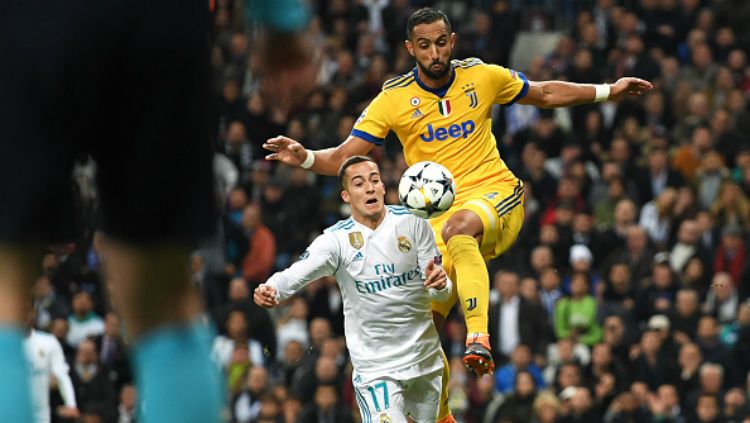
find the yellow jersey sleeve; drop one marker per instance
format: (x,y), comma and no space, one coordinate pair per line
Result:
(508,85)
(375,121)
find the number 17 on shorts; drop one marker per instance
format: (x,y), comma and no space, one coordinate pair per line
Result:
(390,401)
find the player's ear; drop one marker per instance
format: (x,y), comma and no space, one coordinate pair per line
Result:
(453,40)
(409,47)
(345,196)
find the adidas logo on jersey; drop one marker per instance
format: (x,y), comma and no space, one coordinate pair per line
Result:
(417,114)
(359,256)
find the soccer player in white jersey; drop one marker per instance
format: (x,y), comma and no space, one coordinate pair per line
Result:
(45,358)
(387,266)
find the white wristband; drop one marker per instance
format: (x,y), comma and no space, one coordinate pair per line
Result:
(602,92)
(308,161)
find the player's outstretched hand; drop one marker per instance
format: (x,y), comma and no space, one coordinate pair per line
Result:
(436,277)
(285,150)
(628,86)
(265,296)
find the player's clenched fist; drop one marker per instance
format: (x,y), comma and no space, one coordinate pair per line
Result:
(436,277)
(265,296)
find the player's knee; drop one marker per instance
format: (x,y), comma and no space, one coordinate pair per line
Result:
(458,227)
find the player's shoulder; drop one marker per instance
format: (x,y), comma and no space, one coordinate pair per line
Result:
(401,81)
(397,210)
(43,337)
(401,215)
(340,226)
(468,63)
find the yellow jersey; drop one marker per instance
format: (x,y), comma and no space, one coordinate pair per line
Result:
(451,125)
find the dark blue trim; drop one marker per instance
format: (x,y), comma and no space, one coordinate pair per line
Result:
(396,80)
(403,83)
(440,92)
(367,137)
(510,207)
(523,91)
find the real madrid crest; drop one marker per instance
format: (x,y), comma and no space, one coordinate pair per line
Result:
(403,244)
(356,240)
(385,418)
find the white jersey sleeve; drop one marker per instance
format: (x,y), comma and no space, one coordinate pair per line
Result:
(320,259)
(61,370)
(427,251)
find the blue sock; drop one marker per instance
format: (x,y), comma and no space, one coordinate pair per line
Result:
(15,393)
(177,381)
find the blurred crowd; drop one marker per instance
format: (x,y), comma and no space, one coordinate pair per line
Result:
(625,297)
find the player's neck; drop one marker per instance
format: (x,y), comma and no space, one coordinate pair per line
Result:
(372,221)
(434,83)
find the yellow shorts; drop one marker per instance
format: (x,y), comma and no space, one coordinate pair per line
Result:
(501,211)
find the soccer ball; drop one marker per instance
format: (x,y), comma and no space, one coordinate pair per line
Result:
(427,189)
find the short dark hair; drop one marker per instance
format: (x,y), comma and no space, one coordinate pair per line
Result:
(349,162)
(426,15)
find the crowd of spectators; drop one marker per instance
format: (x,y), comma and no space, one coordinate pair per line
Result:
(625,297)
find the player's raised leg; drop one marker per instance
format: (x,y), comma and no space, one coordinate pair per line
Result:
(16,270)
(462,233)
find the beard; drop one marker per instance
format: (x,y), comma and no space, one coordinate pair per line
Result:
(437,75)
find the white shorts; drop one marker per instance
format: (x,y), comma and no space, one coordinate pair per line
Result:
(388,400)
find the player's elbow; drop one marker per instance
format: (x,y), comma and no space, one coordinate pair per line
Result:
(541,95)
(547,101)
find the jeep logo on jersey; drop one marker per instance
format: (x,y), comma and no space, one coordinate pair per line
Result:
(403,244)
(457,130)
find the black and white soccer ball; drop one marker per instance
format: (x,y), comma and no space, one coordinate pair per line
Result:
(427,189)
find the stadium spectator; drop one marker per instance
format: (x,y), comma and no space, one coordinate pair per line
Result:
(246,404)
(516,319)
(713,351)
(48,306)
(518,406)
(95,393)
(225,346)
(83,322)
(258,263)
(126,409)
(326,407)
(722,301)
(520,360)
(113,352)
(575,316)
(260,326)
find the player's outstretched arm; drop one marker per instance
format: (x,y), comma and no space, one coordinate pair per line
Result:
(551,94)
(324,162)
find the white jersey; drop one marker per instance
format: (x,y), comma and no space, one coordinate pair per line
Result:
(387,310)
(45,357)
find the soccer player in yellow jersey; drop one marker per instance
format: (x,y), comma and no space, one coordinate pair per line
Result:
(440,112)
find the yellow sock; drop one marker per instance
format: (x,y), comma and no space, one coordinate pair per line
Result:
(444,412)
(473,281)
